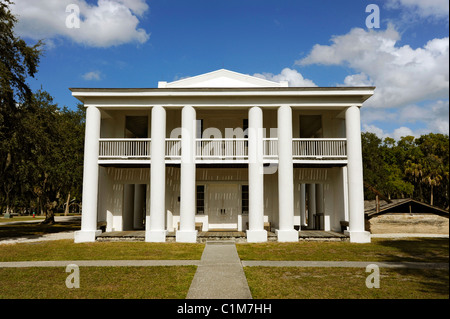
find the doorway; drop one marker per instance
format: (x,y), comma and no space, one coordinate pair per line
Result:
(223,206)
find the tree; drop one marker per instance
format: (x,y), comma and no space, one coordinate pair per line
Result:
(374,171)
(17,62)
(435,162)
(53,141)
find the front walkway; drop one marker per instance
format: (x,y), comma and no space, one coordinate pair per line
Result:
(220,274)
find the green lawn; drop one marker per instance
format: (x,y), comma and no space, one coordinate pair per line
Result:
(348,283)
(345,283)
(67,250)
(405,249)
(264,282)
(97,283)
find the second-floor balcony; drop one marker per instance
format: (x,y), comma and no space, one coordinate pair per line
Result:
(223,150)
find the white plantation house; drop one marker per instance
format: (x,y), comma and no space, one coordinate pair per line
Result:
(223,151)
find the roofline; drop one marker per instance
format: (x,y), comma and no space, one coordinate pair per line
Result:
(312,88)
(363,93)
(234,73)
(372,212)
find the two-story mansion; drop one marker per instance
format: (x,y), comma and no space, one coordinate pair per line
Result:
(223,151)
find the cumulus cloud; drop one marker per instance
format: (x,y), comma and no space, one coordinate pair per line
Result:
(412,84)
(108,23)
(422,8)
(432,117)
(293,77)
(402,75)
(92,76)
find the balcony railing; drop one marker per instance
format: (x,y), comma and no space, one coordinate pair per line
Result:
(229,149)
(124,148)
(319,148)
(222,149)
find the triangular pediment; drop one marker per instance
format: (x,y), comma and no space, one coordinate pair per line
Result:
(221,79)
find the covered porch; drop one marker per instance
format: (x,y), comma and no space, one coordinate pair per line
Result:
(224,235)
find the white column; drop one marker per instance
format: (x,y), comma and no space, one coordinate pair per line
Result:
(155,230)
(139,205)
(256,231)
(286,231)
(355,177)
(187,232)
(311,205)
(89,230)
(302,204)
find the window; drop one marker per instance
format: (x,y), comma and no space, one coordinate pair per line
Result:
(244,199)
(201,199)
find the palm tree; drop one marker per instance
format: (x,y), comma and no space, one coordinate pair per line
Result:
(415,170)
(434,173)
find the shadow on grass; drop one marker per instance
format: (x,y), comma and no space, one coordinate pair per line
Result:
(36,230)
(435,250)
(417,249)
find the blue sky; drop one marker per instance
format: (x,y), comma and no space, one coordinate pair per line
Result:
(136,43)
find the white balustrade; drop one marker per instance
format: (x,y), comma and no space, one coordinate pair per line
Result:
(327,148)
(173,148)
(224,148)
(270,146)
(124,148)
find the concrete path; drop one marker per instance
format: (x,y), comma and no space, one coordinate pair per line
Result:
(220,274)
(99,263)
(356,264)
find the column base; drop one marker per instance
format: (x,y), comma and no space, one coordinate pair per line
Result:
(361,237)
(287,235)
(186,236)
(86,236)
(155,236)
(256,236)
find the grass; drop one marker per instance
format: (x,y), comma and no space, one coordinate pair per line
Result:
(67,250)
(398,250)
(97,283)
(348,283)
(345,283)
(264,282)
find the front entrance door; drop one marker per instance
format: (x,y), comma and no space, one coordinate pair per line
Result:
(223,201)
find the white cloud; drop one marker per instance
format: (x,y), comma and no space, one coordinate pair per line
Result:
(360,79)
(431,117)
(108,23)
(402,75)
(423,8)
(402,132)
(293,77)
(397,134)
(92,76)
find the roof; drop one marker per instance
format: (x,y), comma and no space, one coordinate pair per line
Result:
(402,206)
(224,84)
(222,79)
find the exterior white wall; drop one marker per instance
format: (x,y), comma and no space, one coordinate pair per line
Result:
(113,181)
